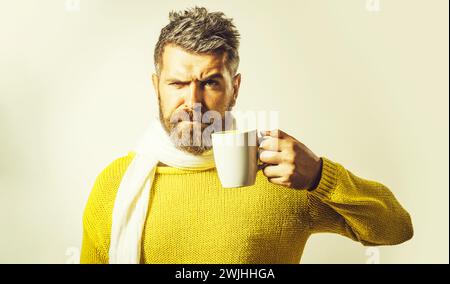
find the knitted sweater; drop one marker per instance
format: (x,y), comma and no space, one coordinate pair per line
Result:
(192,219)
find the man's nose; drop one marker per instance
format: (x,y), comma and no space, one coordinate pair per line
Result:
(194,94)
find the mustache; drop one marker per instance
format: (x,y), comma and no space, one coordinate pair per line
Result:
(188,114)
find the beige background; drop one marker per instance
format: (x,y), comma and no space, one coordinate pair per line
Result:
(367,89)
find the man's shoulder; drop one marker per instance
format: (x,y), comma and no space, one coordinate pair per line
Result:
(103,193)
(113,173)
(108,180)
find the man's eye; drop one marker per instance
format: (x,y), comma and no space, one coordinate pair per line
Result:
(211,83)
(176,84)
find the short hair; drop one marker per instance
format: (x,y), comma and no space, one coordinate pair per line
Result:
(200,31)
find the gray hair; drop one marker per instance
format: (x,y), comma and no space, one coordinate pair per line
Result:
(200,31)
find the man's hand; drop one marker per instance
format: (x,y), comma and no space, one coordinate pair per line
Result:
(288,162)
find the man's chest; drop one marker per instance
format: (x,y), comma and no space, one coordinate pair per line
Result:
(192,215)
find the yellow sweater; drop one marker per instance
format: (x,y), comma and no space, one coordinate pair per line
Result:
(192,219)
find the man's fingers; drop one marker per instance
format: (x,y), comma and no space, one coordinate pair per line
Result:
(276,133)
(270,144)
(273,171)
(270,157)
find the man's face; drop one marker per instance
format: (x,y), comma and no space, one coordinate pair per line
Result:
(194,92)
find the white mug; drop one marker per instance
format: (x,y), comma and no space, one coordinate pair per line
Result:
(236,157)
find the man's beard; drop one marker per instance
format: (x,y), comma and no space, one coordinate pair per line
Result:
(187,131)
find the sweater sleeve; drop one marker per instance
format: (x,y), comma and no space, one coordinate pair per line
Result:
(92,252)
(363,210)
(97,215)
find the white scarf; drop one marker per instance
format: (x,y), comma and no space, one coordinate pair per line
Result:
(132,199)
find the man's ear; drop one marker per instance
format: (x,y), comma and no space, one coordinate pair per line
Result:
(155,81)
(236,85)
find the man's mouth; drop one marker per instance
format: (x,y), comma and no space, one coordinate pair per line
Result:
(192,122)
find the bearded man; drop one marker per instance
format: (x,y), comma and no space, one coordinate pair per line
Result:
(164,203)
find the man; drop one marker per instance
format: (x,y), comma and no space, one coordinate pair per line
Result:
(180,213)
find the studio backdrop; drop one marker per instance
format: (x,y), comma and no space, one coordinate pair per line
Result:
(364,83)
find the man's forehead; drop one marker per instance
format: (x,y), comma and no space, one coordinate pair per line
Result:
(178,62)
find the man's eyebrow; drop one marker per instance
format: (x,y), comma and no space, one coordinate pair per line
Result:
(173,79)
(212,77)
